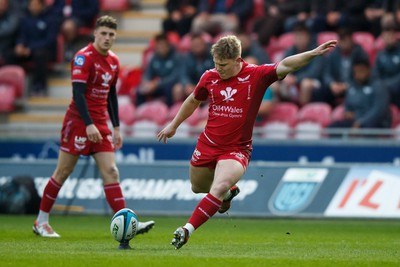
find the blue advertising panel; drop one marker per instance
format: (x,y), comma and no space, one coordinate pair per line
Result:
(164,188)
(148,151)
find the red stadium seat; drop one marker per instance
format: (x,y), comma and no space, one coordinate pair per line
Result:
(337,113)
(311,119)
(317,112)
(155,111)
(13,75)
(286,40)
(395,115)
(283,112)
(184,43)
(367,42)
(126,113)
(326,36)
(7,97)
(114,5)
(145,129)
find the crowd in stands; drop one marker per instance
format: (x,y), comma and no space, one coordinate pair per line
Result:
(30,31)
(360,77)
(358,82)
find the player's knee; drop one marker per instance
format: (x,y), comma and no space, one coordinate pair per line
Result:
(112,173)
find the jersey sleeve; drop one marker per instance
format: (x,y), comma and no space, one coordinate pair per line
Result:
(80,68)
(200,91)
(268,72)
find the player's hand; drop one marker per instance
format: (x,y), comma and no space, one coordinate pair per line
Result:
(325,47)
(93,134)
(166,133)
(117,138)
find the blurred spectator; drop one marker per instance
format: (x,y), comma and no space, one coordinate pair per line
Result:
(337,71)
(8,32)
(252,48)
(277,13)
(19,7)
(180,16)
(366,102)
(75,14)
(387,64)
(291,88)
(161,74)
(194,63)
(392,11)
(36,42)
(216,16)
(351,14)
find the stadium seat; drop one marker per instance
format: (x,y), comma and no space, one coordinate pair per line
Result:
(114,5)
(308,130)
(326,36)
(126,113)
(279,122)
(367,42)
(311,119)
(337,113)
(317,112)
(7,97)
(277,46)
(395,115)
(286,40)
(14,75)
(155,111)
(145,129)
(276,130)
(283,112)
(184,43)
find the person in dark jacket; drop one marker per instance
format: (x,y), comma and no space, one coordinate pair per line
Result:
(180,16)
(387,64)
(36,42)
(366,102)
(216,16)
(161,74)
(8,32)
(195,62)
(72,15)
(337,71)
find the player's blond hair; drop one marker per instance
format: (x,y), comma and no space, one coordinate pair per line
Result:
(228,47)
(106,21)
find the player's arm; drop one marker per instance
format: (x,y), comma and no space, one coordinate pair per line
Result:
(295,62)
(78,94)
(112,106)
(188,107)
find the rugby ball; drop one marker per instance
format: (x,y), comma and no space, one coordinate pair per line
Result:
(124,224)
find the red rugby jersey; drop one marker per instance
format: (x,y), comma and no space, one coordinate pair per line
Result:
(234,103)
(99,72)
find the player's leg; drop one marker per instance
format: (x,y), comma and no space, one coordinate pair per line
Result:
(65,166)
(227,174)
(109,172)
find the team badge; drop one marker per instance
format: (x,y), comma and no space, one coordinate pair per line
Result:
(296,190)
(79,61)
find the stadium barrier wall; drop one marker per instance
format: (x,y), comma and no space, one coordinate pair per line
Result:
(267,189)
(149,150)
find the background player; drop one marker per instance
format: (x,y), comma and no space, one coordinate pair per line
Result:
(235,90)
(85,132)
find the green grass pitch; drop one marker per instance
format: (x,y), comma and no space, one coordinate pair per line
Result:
(222,241)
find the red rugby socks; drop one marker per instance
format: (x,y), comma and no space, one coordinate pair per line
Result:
(206,208)
(114,196)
